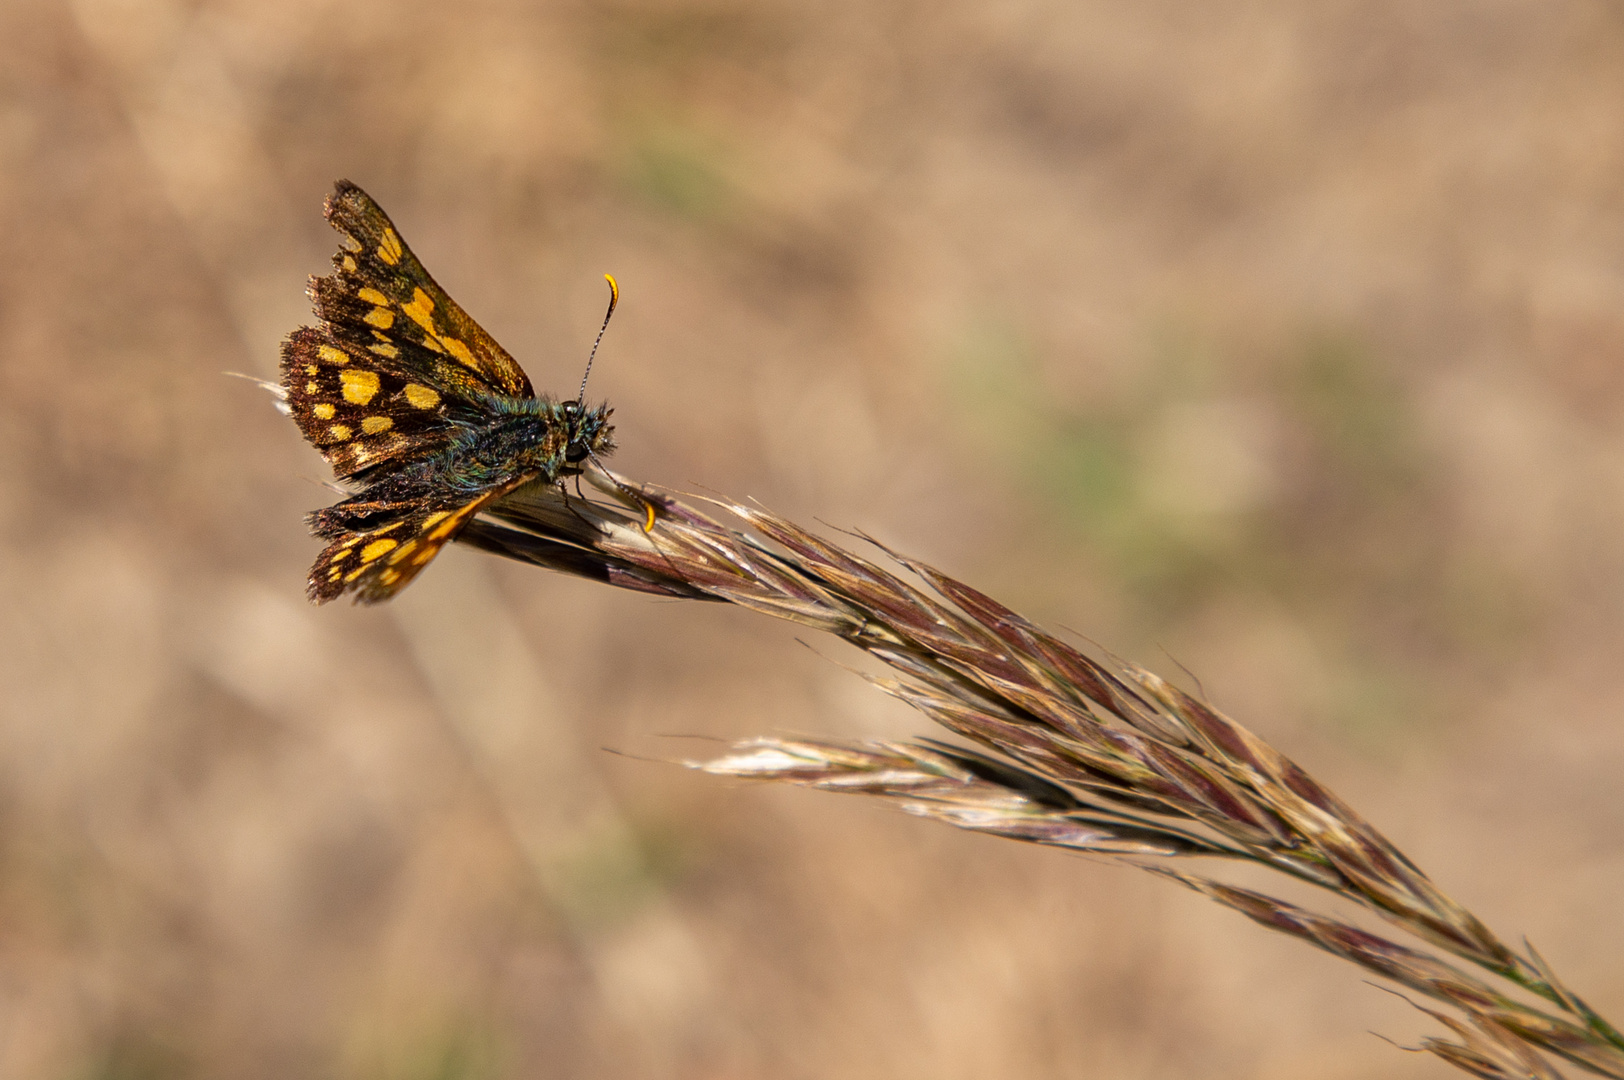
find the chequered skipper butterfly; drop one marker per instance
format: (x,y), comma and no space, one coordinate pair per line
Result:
(418,410)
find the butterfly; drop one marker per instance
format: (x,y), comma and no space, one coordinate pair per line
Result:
(420,413)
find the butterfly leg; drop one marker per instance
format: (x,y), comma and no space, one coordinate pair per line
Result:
(563,493)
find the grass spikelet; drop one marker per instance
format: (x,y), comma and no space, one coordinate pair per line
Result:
(1071,752)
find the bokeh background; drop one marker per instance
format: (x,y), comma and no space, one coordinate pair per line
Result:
(1281,341)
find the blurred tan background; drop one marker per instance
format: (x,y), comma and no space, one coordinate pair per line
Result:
(1283,341)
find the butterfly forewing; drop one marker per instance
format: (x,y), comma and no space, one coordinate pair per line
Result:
(358,409)
(382,300)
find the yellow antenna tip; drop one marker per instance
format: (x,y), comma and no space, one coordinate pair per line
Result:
(648,526)
(614,290)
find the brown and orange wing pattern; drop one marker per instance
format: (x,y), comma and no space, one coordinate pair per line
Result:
(359,409)
(382,300)
(377,562)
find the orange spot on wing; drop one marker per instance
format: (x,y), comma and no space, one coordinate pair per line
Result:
(421,397)
(389,250)
(460,351)
(359,386)
(372,425)
(382,318)
(373,296)
(332,355)
(420,310)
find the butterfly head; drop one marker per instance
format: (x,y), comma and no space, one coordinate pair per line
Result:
(587,432)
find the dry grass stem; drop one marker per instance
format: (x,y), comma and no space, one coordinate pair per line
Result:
(1103,757)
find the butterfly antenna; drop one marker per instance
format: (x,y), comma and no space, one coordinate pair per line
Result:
(614,298)
(631,493)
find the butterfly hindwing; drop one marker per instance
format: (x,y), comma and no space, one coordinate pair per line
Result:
(381,299)
(359,409)
(379,560)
